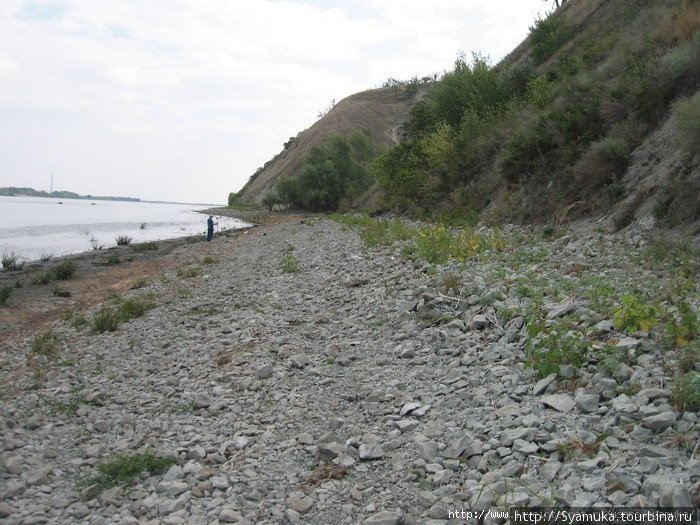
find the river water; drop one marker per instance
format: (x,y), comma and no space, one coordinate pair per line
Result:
(36,227)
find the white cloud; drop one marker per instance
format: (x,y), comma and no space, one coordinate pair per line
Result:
(140,97)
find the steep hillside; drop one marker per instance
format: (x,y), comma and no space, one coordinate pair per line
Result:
(595,115)
(378,112)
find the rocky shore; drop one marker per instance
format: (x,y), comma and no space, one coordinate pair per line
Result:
(292,374)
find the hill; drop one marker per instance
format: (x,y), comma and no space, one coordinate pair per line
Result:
(377,112)
(12,191)
(595,115)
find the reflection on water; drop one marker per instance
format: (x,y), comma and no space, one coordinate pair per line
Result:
(34,227)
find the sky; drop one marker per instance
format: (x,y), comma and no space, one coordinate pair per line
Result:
(182,100)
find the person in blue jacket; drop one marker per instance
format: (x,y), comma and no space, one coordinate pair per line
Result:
(210,228)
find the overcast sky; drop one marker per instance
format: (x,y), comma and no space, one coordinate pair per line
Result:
(183,99)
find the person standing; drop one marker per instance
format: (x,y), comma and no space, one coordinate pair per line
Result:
(210,228)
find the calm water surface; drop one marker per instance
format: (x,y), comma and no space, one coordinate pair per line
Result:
(35,227)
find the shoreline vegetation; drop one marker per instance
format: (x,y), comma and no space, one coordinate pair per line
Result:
(354,368)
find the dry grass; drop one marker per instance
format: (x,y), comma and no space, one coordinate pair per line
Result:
(326,472)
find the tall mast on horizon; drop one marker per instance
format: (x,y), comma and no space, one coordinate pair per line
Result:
(51,190)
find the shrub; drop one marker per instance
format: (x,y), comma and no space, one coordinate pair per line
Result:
(189,272)
(112,260)
(687,120)
(290,264)
(547,35)
(64,270)
(106,320)
(122,469)
(46,344)
(10,261)
(685,392)
(553,349)
(604,162)
(139,283)
(5,293)
(634,314)
(144,246)
(44,277)
(123,240)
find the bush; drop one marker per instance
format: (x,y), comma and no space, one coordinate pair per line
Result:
(686,113)
(547,35)
(604,162)
(145,246)
(634,315)
(123,240)
(64,270)
(5,293)
(10,261)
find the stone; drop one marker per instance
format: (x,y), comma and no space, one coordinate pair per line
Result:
(329,451)
(560,309)
(173,488)
(38,476)
(300,504)
(408,408)
(406,425)
(587,403)
(371,451)
(442,477)
(478,322)
(660,422)
(559,402)
(385,517)
(299,360)
(264,372)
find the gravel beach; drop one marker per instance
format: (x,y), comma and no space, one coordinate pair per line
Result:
(295,375)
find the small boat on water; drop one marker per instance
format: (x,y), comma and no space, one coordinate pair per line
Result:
(60,202)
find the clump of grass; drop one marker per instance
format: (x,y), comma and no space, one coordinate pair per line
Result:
(209,259)
(44,277)
(5,293)
(575,447)
(133,307)
(19,283)
(79,322)
(451,281)
(65,270)
(139,283)
(685,392)
(113,260)
(123,469)
(290,264)
(45,257)
(46,344)
(123,240)
(11,261)
(144,246)
(60,292)
(105,320)
(189,272)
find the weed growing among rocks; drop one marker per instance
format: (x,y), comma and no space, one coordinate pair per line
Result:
(290,264)
(123,469)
